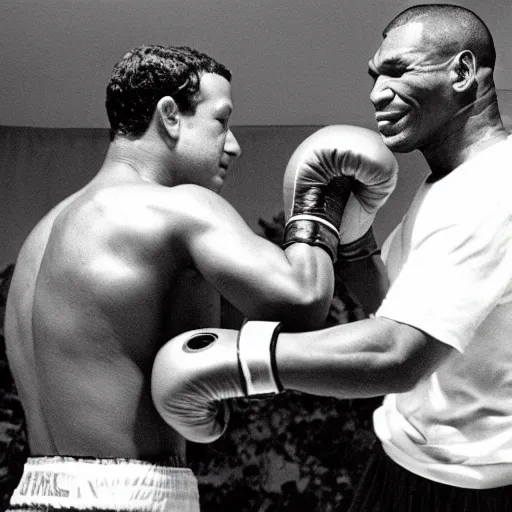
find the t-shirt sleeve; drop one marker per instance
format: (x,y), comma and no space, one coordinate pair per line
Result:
(453,277)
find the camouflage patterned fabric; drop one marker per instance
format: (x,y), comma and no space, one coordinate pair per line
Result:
(295,452)
(13,440)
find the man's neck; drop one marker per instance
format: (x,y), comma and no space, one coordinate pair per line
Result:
(136,157)
(474,130)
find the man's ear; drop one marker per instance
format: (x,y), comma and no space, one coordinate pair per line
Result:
(169,116)
(464,71)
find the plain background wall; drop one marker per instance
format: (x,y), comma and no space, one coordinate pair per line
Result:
(297,66)
(41,166)
(294,62)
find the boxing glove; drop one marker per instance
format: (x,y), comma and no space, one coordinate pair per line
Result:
(196,372)
(334,184)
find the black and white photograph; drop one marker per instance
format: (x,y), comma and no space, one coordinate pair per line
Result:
(255,256)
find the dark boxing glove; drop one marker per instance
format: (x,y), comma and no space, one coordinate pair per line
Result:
(334,184)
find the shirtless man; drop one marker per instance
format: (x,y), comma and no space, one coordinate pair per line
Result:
(124,264)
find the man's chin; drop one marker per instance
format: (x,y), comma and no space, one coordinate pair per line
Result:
(398,144)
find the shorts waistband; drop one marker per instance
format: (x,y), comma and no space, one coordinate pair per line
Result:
(157,460)
(53,483)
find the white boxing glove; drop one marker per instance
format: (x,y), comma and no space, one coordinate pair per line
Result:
(330,161)
(195,372)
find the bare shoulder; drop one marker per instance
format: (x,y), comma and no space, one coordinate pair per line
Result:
(190,200)
(169,208)
(145,221)
(131,222)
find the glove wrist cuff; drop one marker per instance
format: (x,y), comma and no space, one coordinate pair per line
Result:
(311,230)
(359,249)
(256,358)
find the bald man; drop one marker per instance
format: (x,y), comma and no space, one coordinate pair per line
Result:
(447,435)
(439,346)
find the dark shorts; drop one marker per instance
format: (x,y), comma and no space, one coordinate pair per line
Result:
(68,483)
(388,487)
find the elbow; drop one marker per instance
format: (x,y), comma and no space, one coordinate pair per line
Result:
(304,314)
(316,300)
(310,311)
(299,309)
(390,374)
(412,355)
(404,379)
(420,364)
(390,362)
(407,376)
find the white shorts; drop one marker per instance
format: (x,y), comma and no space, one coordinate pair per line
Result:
(104,484)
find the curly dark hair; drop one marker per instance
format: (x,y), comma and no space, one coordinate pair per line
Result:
(148,73)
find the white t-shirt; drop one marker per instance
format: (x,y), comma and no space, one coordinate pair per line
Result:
(450,266)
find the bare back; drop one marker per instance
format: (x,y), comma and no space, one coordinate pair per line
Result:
(97,289)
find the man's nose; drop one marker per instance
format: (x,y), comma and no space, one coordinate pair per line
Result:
(231,147)
(381,94)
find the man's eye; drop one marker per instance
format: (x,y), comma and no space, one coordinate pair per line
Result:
(388,72)
(395,73)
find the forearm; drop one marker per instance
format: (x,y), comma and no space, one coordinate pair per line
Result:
(261,280)
(357,360)
(197,371)
(295,287)
(313,285)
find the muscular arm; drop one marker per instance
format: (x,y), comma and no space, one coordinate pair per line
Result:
(367,358)
(261,280)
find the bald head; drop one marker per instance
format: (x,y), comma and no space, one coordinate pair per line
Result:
(452,29)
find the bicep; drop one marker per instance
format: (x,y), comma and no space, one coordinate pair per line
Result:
(255,275)
(229,254)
